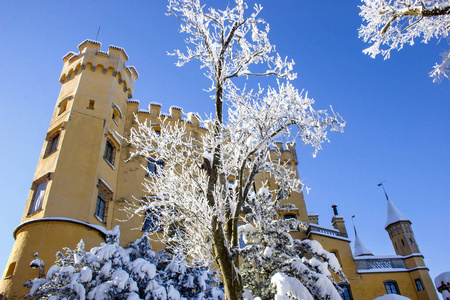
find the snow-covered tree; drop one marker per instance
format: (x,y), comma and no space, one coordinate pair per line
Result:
(390,24)
(275,264)
(112,272)
(198,197)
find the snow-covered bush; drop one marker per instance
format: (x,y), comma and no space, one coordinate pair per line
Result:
(112,272)
(274,264)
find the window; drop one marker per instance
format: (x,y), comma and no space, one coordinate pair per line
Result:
(419,285)
(52,144)
(154,167)
(412,241)
(10,271)
(117,113)
(151,221)
(115,116)
(110,152)
(38,197)
(62,107)
(158,132)
(289,216)
(91,104)
(293,226)
(346,292)
(403,243)
(391,287)
(104,195)
(100,208)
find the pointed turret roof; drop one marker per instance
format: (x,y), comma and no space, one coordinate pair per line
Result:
(393,214)
(360,247)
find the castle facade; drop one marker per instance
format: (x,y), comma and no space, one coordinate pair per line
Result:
(82,183)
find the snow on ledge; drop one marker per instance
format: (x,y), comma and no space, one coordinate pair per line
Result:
(99,228)
(392,297)
(389,270)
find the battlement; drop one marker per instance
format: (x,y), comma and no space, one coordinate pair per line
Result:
(192,120)
(285,152)
(91,57)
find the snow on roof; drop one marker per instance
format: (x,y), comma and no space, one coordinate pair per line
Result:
(442,279)
(133,101)
(360,247)
(393,214)
(392,297)
(176,107)
(142,110)
(155,104)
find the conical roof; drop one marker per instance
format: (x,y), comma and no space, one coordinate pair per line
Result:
(360,247)
(393,214)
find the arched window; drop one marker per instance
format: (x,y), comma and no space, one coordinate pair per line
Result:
(391,287)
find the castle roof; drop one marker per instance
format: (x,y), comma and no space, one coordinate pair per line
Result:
(393,214)
(360,247)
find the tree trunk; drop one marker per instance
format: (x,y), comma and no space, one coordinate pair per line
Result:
(231,277)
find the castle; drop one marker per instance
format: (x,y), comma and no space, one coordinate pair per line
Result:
(82,182)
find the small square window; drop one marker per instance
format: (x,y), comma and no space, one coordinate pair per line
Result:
(91,104)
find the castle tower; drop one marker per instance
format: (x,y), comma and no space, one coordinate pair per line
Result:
(400,232)
(72,192)
(402,237)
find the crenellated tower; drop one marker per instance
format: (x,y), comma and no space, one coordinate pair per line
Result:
(71,196)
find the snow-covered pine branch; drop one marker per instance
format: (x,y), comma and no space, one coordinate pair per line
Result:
(390,24)
(274,263)
(112,272)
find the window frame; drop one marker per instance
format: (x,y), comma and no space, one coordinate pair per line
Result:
(108,195)
(154,169)
(391,283)
(150,218)
(348,290)
(32,209)
(110,156)
(52,145)
(419,285)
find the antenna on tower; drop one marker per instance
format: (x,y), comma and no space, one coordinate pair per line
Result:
(381,184)
(98,32)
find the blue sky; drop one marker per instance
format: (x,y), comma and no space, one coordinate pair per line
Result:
(397,118)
